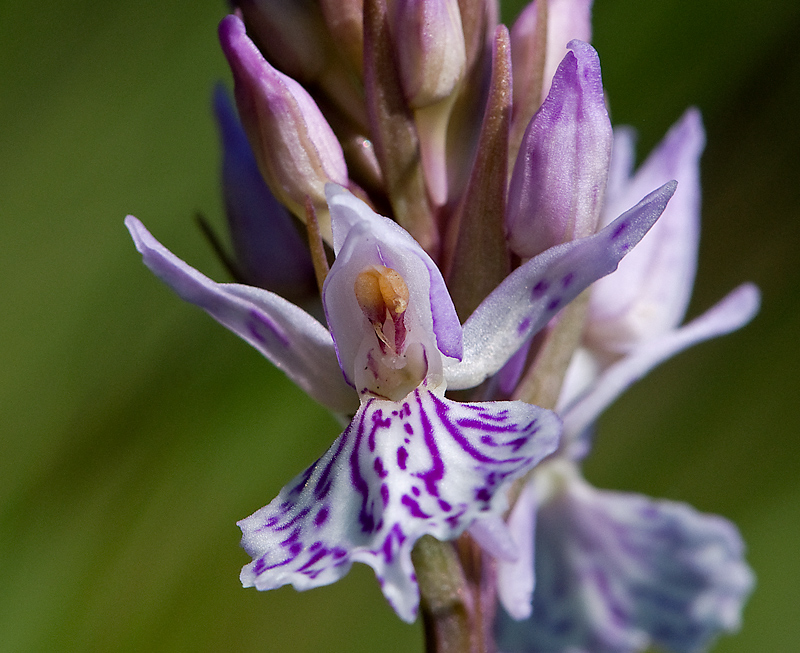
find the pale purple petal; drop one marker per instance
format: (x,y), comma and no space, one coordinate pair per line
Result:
(285,334)
(515,578)
(401,470)
(618,573)
(649,293)
(731,313)
(536,291)
(558,185)
(361,238)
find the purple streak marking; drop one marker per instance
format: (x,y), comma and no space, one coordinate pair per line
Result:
(413,507)
(402,457)
(365,518)
(455,433)
(321,516)
(258,322)
(554,304)
(436,472)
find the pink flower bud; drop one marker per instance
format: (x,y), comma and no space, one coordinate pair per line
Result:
(296,149)
(430,48)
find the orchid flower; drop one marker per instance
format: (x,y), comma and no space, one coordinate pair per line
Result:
(635,314)
(619,572)
(610,571)
(411,462)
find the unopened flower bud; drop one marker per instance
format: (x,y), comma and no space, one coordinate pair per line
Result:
(430,48)
(557,188)
(268,250)
(539,40)
(295,147)
(290,33)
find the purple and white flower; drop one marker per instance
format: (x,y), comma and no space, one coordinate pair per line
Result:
(617,572)
(411,462)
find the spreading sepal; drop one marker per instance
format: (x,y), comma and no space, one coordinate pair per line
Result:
(729,314)
(401,470)
(286,335)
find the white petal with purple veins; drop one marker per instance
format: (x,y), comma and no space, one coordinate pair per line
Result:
(426,465)
(618,572)
(285,334)
(529,297)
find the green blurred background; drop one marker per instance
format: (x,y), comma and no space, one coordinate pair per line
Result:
(134,431)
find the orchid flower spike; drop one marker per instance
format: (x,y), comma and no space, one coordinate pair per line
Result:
(411,462)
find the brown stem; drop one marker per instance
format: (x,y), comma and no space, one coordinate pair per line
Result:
(444,597)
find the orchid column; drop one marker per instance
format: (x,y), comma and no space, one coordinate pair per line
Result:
(454,226)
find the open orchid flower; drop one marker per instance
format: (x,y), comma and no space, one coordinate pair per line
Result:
(519,588)
(411,462)
(635,314)
(618,572)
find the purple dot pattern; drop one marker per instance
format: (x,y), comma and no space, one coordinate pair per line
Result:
(637,573)
(426,465)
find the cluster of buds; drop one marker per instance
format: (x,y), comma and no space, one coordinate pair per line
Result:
(447,217)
